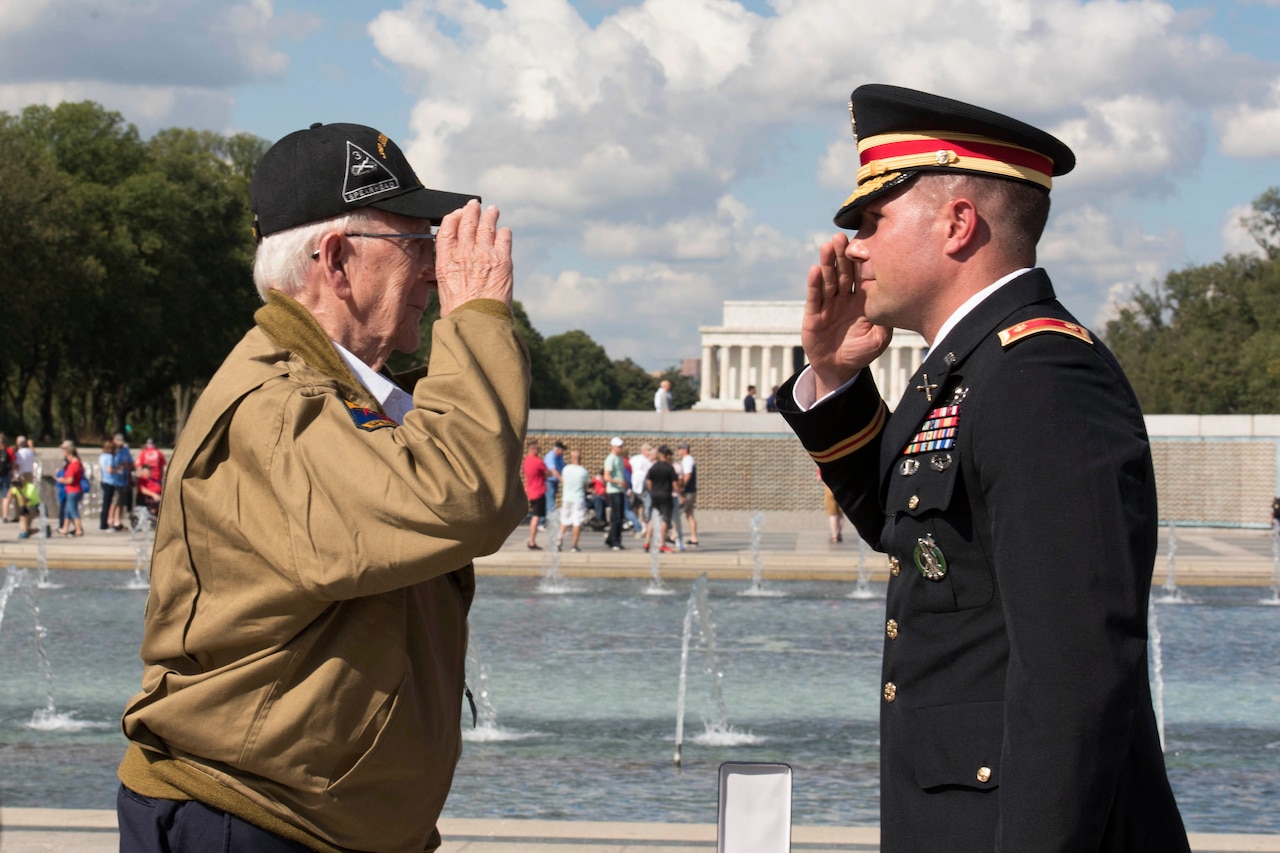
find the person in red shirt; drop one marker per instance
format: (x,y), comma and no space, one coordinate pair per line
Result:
(535,489)
(149,488)
(151,456)
(71,481)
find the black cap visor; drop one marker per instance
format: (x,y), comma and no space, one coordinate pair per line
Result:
(422,203)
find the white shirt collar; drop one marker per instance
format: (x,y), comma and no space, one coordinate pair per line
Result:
(394,401)
(971,303)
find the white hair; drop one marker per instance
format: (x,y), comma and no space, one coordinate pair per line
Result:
(283,257)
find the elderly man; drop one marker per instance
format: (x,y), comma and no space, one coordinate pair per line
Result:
(1011,488)
(305,638)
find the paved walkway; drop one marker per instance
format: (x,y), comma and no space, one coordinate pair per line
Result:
(94,831)
(793,546)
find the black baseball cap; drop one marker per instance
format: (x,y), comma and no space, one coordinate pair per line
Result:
(902,133)
(328,170)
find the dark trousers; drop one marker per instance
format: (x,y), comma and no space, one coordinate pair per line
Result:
(108,495)
(188,826)
(617,509)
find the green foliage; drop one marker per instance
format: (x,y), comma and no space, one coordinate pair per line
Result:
(129,267)
(1206,340)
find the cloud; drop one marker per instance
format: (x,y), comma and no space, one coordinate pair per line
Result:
(1252,130)
(160,62)
(1236,239)
(1096,260)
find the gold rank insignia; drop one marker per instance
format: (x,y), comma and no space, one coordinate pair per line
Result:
(1027,328)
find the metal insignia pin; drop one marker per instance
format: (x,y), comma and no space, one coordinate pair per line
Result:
(950,358)
(958,395)
(929,559)
(940,461)
(910,466)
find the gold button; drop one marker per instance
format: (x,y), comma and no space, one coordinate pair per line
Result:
(891,628)
(890,691)
(894,567)
(914,502)
(984,774)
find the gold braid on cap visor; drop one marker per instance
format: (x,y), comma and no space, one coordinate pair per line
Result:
(897,152)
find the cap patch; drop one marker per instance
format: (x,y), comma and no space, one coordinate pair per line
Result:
(1018,331)
(367,419)
(365,176)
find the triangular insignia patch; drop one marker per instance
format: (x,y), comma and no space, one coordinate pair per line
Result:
(365,176)
(368,419)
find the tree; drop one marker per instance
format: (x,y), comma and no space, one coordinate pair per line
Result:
(585,370)
(1206,340)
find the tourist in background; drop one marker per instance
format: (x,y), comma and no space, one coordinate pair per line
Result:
(662,397)
(6,477)
(148,490)
(535,489)
(640,498)
(109,515)
(72,480)
(835,515)
(615,490)
(1012,489)
(24,457)
(771,402)
(122,471)
(662,482)
(573,498)
(153,458)
(749,401)
(688,492)
(554,460)
(25,496)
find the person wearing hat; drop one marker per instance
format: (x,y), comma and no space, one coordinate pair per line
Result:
(1011,489)
(305,633)
(615,491)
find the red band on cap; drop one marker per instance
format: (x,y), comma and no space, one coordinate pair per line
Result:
(975,147)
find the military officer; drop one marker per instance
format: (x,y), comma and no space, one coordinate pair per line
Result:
(1011,490)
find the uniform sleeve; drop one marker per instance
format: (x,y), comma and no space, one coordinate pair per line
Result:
(842,433)
(371,507)
(1065,468)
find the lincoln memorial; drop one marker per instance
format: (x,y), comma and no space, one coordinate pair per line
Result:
(759,344)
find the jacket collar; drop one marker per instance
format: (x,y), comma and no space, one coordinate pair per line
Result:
(930,380)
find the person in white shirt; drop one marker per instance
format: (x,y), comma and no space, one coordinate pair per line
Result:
(573,499)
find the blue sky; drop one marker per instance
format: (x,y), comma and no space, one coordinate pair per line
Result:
(657,157)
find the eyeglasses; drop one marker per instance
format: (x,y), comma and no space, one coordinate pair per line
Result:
(389,236)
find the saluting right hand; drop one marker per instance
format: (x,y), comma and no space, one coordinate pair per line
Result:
(473,258)
(838,338)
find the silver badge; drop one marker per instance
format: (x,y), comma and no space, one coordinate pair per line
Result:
(950,358)
(958,395)
(910,466)
(929,559)
(940,461)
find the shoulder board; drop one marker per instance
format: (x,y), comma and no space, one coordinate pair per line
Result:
(1027,328)
(368,419)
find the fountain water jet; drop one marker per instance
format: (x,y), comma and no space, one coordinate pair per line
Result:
(718,732)
(1172,594)
(862,591)
(655,585)
(554,583)
(757,587)
(1275,566)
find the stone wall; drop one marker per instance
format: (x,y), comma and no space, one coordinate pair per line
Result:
(1209,471)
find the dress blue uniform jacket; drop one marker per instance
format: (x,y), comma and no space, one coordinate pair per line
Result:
(1012,490)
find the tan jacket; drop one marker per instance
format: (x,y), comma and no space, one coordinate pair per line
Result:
(305,639)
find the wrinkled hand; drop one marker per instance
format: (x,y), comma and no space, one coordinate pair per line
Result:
(473,258)
(838,338)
